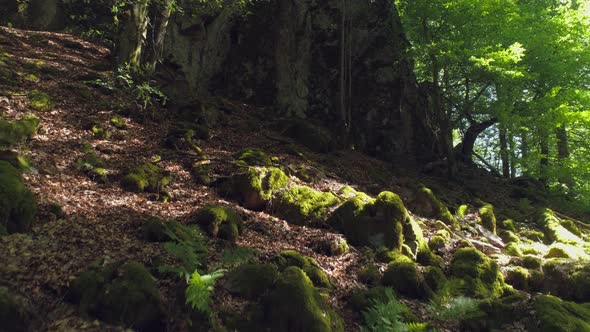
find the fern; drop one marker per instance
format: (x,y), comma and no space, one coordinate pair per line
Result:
(187,245)
(455,308)
(198,292)
(417,327)
(385,316)
(233,257)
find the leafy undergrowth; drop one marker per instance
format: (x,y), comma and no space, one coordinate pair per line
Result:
(92,136)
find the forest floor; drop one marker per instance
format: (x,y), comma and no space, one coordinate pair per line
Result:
(102,222)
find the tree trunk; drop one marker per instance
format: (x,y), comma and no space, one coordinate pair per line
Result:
(132,36)
(159,34)
(563,155)
(512,156)
(524,152)
(504,152)
(544,160)
(464,151)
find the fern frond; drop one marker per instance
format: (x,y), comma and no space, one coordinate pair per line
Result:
(198,293)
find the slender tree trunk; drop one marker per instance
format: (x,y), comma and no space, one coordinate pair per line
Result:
(465,149)
(524,152)
(544,160)
(504,152)
(159,34)
(563,155)
(512,154)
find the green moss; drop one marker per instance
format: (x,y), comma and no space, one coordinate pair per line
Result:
(18,131)
(518,277)
(13,316)
(15,159)
(562,250)
(253,187)
(436,243)
(295,305)
(220,221)
(509,236)
(553,229)
(488,218)
(428,205)
(531,262)
(556,315)
(304,205)
(147,177)
(426,257)
(405,279)
(251,280)
(533,235)
(40,101)
(98,174)
(461,210)
(513,249)
(201,171)
(118,122)
(318,277)
(434,277)
(123,294)
(381,222)
(100,132)
(370,275)
(464,243)
(389,256)
(17,203)
(253,157)
(508,225)
(571,226)
(567,279)
(478,274)
(309,265)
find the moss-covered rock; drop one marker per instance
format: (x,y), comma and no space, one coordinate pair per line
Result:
(118,122)
(309,135)
(253,157)
(15,159)
(303,205)
(295,305)
(40,101)
(100,132)
(384,255)
(253,187)
(147,177)
(562,250)
(461,211)
(477,274)
(533,235)
(405,279)
(518,277)
(334,246)
(17,203)
(370,275)
(309,265)
(13,316)
(251,280)
(509,236)
(508,224)
(556,315)
(513,249)
(554,230)
(531,262)
(488,218)
(426,204)
(220,221)
(19,130)
(437,243)
(124,294)
(567,279)
(434,277)
(380,222)
(427,257)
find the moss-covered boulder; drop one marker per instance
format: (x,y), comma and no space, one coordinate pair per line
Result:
(531,262)
(518,277)
(220,221)
(508,236)
(301,205)
(434,277)
(380,222)
(40,101)
(567,279)
(17,203)
(487,218)
(562,250)
(309,265)
(253,187)
(476,274)
(124,294)
(556,315)
(554,230)
(13,316)
(406,280)
(330,246)
(92,165)
(295,305)
(309,135)
(426,204)
(253,157)
(147,177)
(251,280)
(15,159)
(18,131)
(508,224)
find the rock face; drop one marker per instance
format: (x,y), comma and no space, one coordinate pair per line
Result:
(344,67)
